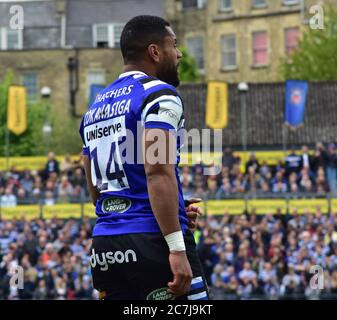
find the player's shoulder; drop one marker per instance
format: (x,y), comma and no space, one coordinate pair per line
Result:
(151,84)
(156,90)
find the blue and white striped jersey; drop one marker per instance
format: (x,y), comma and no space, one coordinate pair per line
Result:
(111,130)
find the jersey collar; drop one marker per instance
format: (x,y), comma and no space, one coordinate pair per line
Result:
(131,73)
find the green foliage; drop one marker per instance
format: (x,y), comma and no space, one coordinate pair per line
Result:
(316,57)
(66,137)
(31,141)
(188,69)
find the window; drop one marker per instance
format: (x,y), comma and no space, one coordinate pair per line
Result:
(194,4)
(10,39)
(225,5)
(101,36)
(259,3)
(195,48)
(260,48)
(291,39)
(95,77)
(229,52)
(117,32)
(29,80)
(290,2)
(202,4)
(107,35)
(13,41)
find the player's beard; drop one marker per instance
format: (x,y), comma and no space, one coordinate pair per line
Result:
(169,74)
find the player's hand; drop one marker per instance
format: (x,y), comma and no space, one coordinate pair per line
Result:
(182,273)
(192,212)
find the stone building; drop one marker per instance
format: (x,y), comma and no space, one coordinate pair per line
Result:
(67,45)
(242,40)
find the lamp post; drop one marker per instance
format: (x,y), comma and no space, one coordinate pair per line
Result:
(243,89)
(46,129)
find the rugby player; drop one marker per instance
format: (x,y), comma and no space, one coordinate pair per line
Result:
(142,246)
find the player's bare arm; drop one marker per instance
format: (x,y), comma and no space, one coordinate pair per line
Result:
(94,194)
(163,195)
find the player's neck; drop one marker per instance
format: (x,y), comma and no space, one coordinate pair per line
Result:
(139,67)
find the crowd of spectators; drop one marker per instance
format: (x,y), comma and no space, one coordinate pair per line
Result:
(56,183)
(244,256)
(313,172)
(310,172)
(53,255)
(270,257)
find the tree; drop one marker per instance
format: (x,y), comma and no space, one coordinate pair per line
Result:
(30,142)
(316,58)
(66,137)
(188,69)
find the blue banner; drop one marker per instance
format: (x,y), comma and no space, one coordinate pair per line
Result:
(95,89)
(296,96)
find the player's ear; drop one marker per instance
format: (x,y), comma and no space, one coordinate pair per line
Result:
(154,52)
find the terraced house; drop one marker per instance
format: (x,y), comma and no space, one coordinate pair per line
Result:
(67,45)
(241,40)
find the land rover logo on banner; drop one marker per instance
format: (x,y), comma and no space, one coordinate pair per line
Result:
(118,205)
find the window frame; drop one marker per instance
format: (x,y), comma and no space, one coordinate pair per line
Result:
(95,38)
(223,52)
(28,72)
(254,49)
(4,39)
(259,6)
(290,2)
(199,4)
(201,38)
(225,9)
(110,33)
(114,26)
(286,47)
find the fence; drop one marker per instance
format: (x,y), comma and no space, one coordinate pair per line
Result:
(265,114)
(286,204)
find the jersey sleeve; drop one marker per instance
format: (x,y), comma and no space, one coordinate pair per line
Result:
(162,107)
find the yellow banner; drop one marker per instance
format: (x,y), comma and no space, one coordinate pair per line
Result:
(308,205)
(89,211)
(212,207)
(221,207)
(207,158)
(16,112)
(217,105)
(29,163)
(62,211)
(192,158)
(333,204)
(28,212)
(270,157)
(262,206)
